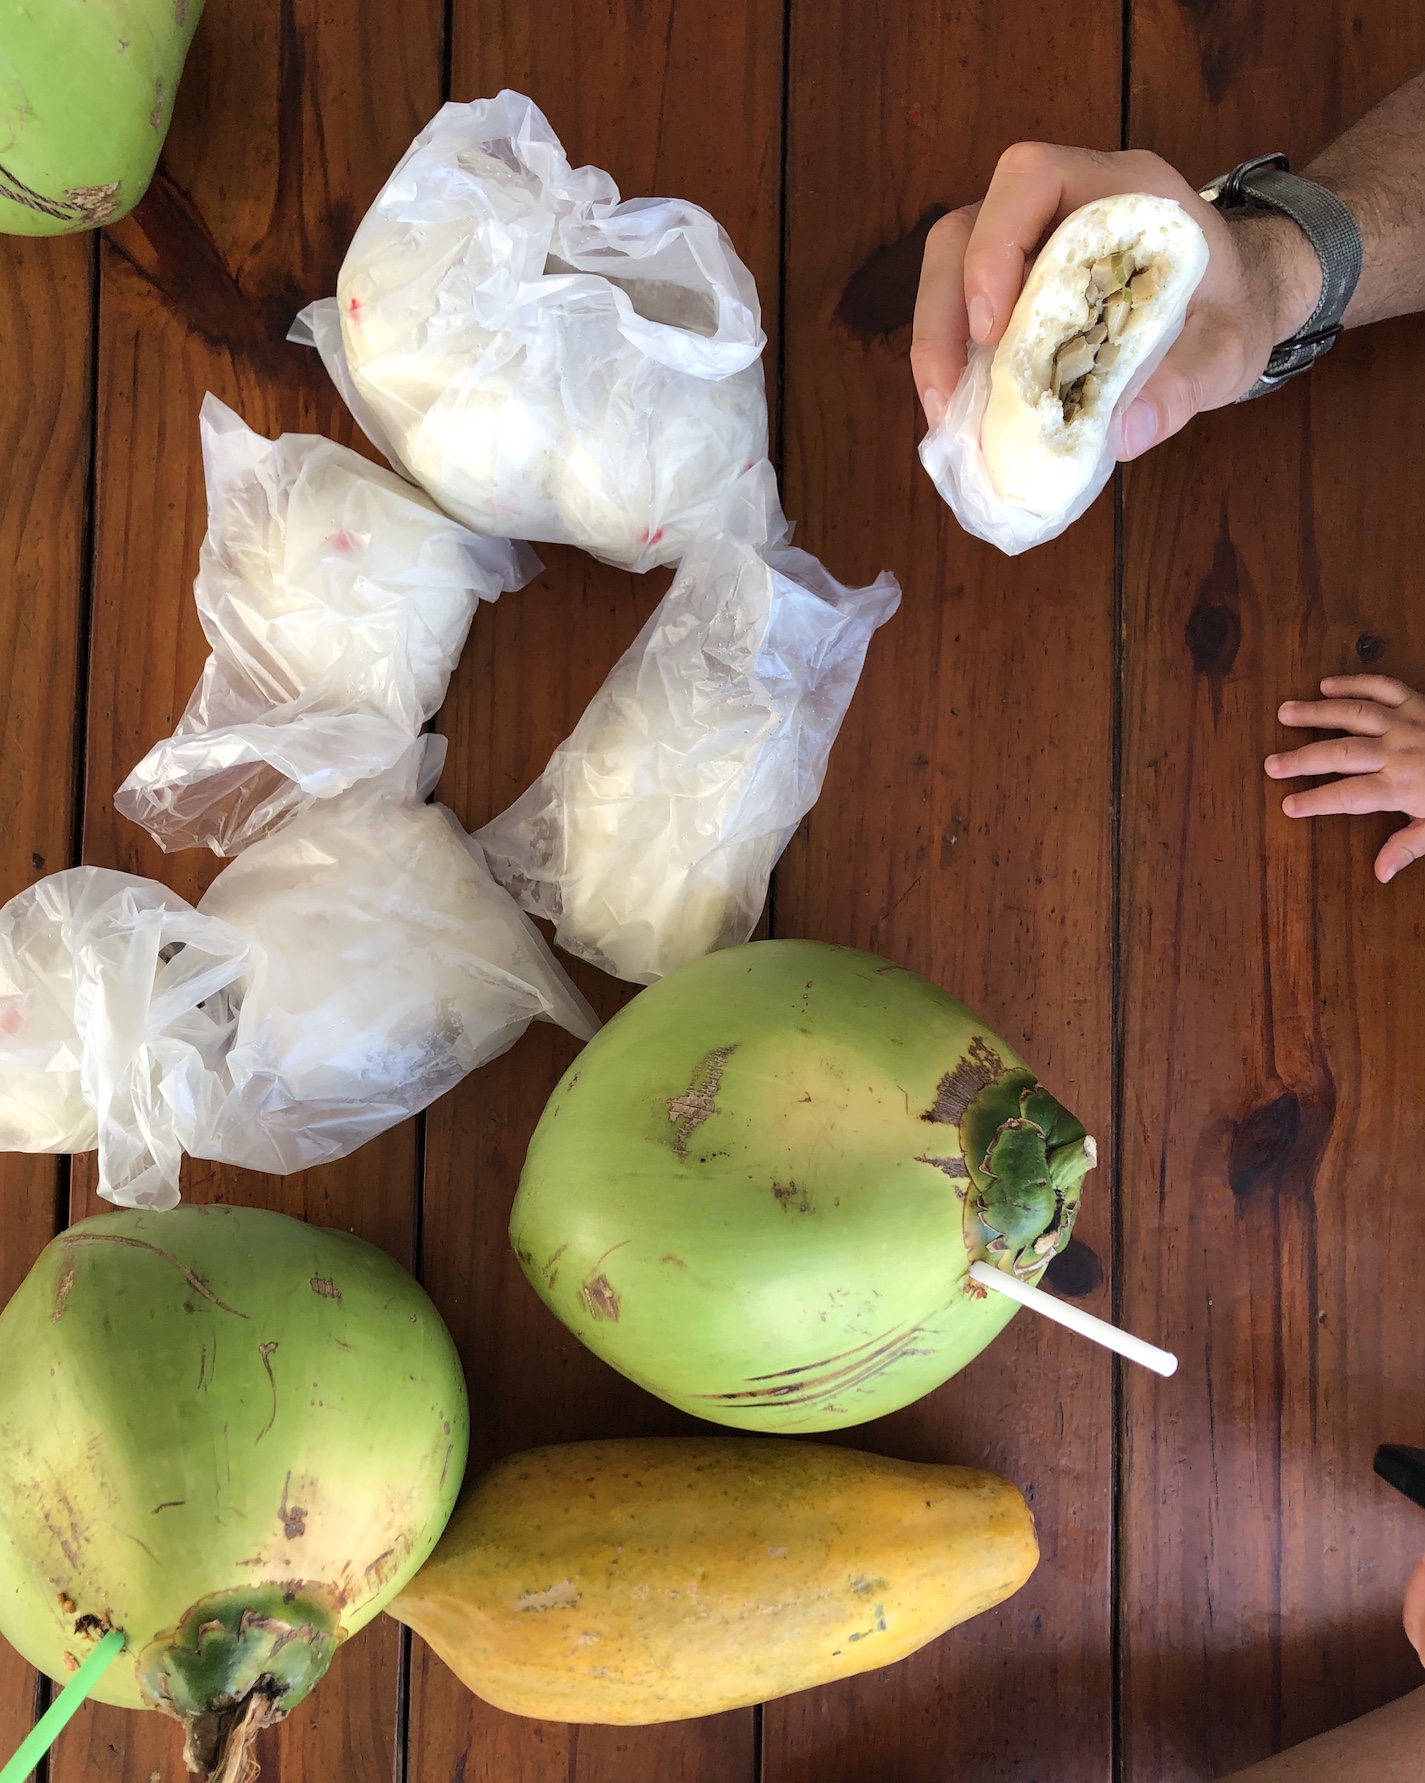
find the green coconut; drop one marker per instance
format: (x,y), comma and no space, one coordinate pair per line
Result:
(229,1434)
(86,95)
(759,1189)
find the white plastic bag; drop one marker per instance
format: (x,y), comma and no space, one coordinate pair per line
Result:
(114,1019)
(336,599)
(390,965)
(42,1108)
(1059,466)
(650,837)
(548,362)
(339,976)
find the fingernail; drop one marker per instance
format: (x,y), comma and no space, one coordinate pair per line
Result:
(982,318)
(934,405)
(1140,429)
(1387,876)
(1270,763)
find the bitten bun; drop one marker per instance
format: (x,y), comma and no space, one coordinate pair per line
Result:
(1109,285)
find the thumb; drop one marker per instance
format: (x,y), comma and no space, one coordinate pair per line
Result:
(1404,846)
(1208,366)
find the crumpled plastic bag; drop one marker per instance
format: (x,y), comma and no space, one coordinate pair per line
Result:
(337,977)
(390,966)
(113,1025)
(651,836)
(42,1108)
(548,362)
(336,599)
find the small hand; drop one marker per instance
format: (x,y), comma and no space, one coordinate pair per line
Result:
(1381,761)
(1261,283)
(1415,1610)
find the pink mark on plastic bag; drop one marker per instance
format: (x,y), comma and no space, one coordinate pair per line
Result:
(339,540)
(12,1016)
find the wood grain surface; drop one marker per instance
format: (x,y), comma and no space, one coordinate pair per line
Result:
(965,827)
(1047,797)
(1271,1007)
(669,99)
(46,432)
(290,116)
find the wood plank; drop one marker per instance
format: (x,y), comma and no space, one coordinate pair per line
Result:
(965,828)
(1272,1117)
(643,91)
(289,117)
(46,301)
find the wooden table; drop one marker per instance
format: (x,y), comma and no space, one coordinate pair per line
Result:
(1048,797)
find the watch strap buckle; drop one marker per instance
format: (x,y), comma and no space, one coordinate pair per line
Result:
(1229,195)
(1268,183)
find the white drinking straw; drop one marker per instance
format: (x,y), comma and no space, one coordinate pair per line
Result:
(1099,1330)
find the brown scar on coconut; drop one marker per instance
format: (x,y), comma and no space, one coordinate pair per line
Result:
(699,1101)
(601,1299)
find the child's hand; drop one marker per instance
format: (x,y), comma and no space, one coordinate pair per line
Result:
(1383,758)
(1415,1610)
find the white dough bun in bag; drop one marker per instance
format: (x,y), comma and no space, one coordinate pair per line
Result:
(390,965)
(1024,446)
(650,837)
(114,1022)
(547,361)
(337,977)
(336,599)
(42,1107)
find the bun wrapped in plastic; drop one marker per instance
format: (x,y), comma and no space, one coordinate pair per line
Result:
(389,966)
(650,837)
(42,1107)
(337,977)
(336,598)
(548,362)
(113,1024)
(1023,448)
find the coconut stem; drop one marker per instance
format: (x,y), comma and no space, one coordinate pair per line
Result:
(218,1744)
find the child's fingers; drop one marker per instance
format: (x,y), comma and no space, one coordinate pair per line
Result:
(1337,755)
(1385,690)
(1404,846)
(1364,792)
(1415,1604)
(1362,717)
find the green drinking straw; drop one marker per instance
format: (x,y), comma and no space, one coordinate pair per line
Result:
(47,1729)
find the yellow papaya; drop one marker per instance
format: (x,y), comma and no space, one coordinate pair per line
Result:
(656,1579)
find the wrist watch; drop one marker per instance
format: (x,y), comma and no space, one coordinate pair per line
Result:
(1268,184)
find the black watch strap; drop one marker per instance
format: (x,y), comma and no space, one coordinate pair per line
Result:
(1326,223)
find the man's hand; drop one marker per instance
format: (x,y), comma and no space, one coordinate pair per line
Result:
(1262,282)
(1262,279)
(1382,760)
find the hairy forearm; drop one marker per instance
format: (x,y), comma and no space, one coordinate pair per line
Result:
(1377,169)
